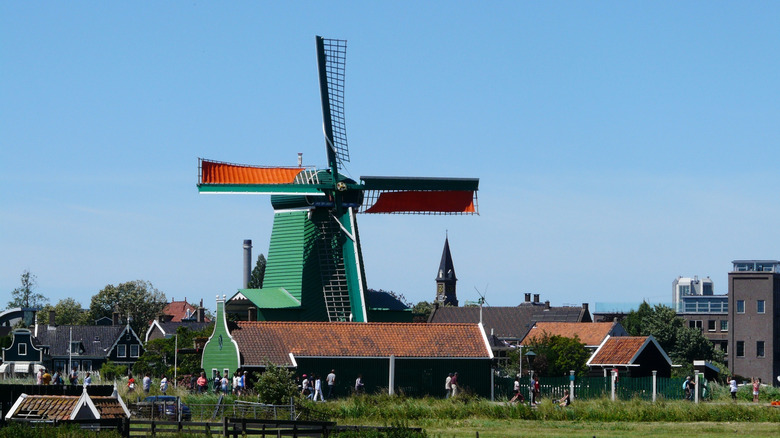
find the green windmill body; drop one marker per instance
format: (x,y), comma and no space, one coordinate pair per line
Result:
(314,269)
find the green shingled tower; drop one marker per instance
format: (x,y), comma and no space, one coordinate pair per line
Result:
(314,269)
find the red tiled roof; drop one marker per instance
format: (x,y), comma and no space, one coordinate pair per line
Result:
(589,333)
(178,310)
(618,350)
(266,341)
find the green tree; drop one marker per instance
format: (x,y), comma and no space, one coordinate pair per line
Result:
(25,296)
(157,358)
(276,385)
(67,311)
(422,311)
(110,371)
(682,344)
(557,355)
(136,299)
(258,274)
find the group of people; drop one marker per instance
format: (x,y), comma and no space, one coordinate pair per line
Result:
(225,384)
(755,383)
(43,377)
(451,387)
(534,389)
(311,386)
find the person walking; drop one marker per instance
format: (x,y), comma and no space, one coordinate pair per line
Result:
(88,379)
(74,377)
(359,384)
(46,377)
(39,376)
(454,383)
(535,391)
(733,388)
(130,383)
(448,386)
(318,388)
(202,383)
(163,384)
(147,383)
(331,379)
(756,385)
(516,389)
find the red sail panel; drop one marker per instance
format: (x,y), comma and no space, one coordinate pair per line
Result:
(454,201)
(223,173)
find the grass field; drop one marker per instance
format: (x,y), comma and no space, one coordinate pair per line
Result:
(576,429)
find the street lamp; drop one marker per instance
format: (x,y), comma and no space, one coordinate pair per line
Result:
(530,355)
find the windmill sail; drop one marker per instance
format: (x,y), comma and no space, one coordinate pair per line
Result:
(331,60)
(420,195)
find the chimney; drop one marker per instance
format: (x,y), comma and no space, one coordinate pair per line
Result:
(536,298)
(547,305)
(247,262)
(584,306)
(200,314)
(115,318)
(527,298)
(51,318)
(251,313)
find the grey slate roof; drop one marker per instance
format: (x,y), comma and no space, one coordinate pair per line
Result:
(510,323)
(95,340)
(379,299)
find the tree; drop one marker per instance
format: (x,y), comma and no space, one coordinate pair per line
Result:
(67,311)
(422,311)
(276,385)
(557,355)
(682,344)
(258,274)
(138,300)
(25,296)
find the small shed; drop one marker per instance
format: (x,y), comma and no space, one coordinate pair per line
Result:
(632,356)
(62,408)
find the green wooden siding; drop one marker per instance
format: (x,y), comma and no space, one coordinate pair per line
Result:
(414,377)
(221,351)
(288,250)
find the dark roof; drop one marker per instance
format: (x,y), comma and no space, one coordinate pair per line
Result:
(446,268)
(379,299)
(171,327)
(264,342)
(508,322)
(96,340)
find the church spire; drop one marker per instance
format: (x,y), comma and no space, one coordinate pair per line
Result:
(446,279)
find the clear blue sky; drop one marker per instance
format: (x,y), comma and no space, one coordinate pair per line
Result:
(618,144)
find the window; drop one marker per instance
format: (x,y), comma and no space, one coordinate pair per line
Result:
(711,325)
(87,365)
(685,290)
(22,349)
(740,348)
(760,306)
(695,324)
(725,347)
(134,349)
(740,306)
(724,325)
(75,347)
(121,350)
(759,348)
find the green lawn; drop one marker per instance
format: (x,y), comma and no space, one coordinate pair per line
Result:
(575,429)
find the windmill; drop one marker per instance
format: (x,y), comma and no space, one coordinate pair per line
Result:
(314,268)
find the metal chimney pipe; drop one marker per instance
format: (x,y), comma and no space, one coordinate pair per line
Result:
(247,262)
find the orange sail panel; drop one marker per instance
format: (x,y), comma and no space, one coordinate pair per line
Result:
(450,201)
(223,173)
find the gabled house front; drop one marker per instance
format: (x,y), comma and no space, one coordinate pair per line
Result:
(22,356)
(87,348)
(631,356)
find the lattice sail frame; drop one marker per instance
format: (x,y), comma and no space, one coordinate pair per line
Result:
(335,64)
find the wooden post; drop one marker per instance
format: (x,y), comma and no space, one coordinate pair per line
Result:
(225,431)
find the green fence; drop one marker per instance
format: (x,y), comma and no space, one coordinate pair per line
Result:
(626,388)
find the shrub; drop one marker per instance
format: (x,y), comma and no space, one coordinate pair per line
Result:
(276,385)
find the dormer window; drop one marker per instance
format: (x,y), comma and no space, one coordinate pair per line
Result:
(75,347)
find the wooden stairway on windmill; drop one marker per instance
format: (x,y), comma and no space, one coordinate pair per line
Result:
(335,288)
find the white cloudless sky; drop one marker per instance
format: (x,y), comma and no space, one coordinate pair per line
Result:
(618,144)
